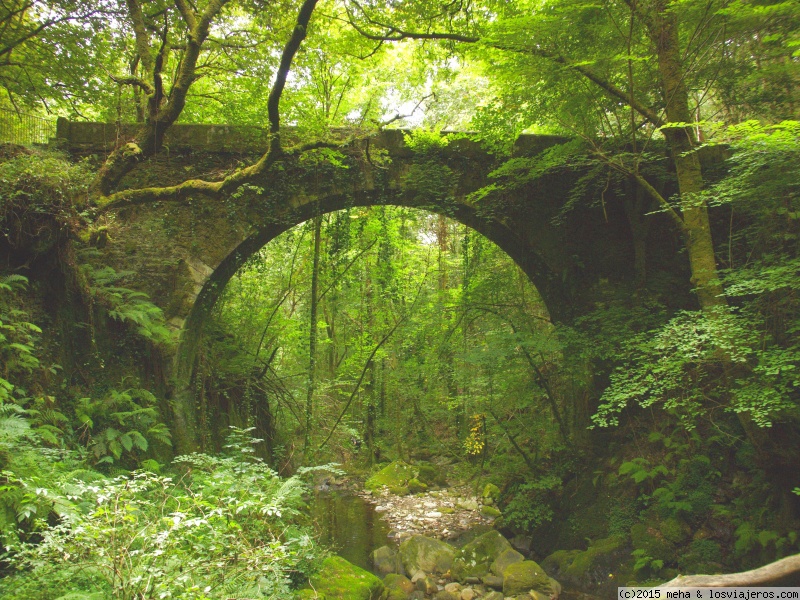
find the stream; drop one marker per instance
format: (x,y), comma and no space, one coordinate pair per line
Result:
(349,525)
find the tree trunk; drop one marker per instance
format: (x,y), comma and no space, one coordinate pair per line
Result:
(663,28)
(312,337)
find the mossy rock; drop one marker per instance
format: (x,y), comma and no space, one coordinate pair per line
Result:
(491,491)
(340,579)
(395,475)
(420,553)
(505,560)
(399,586)
(521,577)
(475,558)
(430,475)
(386,560)
(415,486)
(597,570)
(490,511)
(559,561)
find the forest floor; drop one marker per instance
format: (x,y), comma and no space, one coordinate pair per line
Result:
(443,514)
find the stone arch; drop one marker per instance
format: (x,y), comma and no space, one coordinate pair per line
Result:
(506,237)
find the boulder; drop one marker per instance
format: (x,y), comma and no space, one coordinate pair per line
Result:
(490,511)
(475,558)
(493,596)
(522,577)
(386,560)
(467,504)
(420,553)
(415,486)
(445,595)
(395,476)
(340,579)
(504,560)
(596,570)
(427,585)
(493,581)
(399,586)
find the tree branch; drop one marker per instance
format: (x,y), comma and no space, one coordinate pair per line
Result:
(768,574)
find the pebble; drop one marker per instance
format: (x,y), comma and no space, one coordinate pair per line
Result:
(439,513)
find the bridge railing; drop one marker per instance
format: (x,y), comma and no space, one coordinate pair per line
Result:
(25,130)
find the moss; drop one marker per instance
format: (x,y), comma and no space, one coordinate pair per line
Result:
(395,475)
(475,558)
(415,486)
(340,579)
(491,491)
(526,575)
(490,511)
(648,538)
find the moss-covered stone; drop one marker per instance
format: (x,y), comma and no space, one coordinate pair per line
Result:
(475,558)
(420,553)
(490,511)
(395,475)
(524,576)
(340,579)
(430,475)
(415,486)
(504,560)
(386,560)
(399,586)
(597,570)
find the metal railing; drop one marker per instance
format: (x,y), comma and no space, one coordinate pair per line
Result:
(25,130)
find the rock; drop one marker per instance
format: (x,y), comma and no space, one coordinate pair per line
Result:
(524,576)
(386,560)
(415,486)
(506,558)
(434,514)
(453,587)
(340,579)
(418,575)
(490,511)
(493,581)
(416,595)
(493,596)
(445,595)
(521,543)
(490,492)
(427,585)
(474,559)
(598,570)
(472,580)
(399,586)
(395,476)
(426,554)
(468,594)
(468,504)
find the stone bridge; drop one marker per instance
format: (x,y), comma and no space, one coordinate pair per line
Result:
(193,247)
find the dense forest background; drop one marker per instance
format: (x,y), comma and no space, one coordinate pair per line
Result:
(653,423)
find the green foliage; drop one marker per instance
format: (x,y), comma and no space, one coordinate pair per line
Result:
(126,305)
(532,503)
(120,426)
(230,527)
